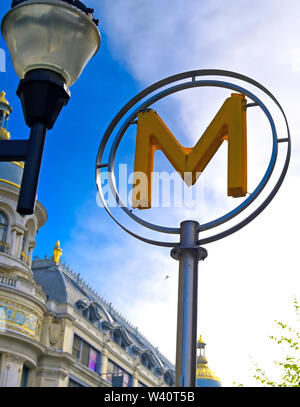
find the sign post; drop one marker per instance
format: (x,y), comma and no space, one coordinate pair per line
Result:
(188,253)
(152,134)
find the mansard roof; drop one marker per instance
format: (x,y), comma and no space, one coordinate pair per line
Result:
(62,285)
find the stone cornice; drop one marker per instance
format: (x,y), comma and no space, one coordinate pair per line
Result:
(9,192)
(60,310)
(55,373)
(15,336)
(11,263)
(29,297)
(83,371)
(13,358)
(41,214)
(18,228)
(58,354)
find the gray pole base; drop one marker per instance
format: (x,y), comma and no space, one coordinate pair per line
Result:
(188,253)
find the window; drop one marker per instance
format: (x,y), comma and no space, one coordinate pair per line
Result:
(3,232)
(86,354)
(24,377)
(76,347)
(168,379)
(145,360)
(93,359)
(117,375)
(90,312)
(117,338)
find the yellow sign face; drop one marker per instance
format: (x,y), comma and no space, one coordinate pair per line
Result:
(228,124)
(14,318)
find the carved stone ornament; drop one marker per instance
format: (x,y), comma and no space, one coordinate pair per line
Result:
(55,331)
(44,372)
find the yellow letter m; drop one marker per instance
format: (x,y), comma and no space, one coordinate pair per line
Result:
(228,124)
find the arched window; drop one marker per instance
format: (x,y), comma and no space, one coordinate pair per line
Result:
(3,232)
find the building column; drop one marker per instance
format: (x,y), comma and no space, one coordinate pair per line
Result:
(17,233)
(13,242)
(104,363)
(67,336)
(45,330)
(18,245)
(53,369)
(135,382)
(11,370)
(31,247)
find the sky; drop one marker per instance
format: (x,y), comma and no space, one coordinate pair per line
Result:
(250,278)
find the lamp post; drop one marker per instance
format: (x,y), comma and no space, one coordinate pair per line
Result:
(50,43)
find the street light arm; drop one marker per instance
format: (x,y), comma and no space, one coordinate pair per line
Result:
(32,168)
(31,152)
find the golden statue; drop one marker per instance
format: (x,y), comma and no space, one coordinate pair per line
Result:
(57,252)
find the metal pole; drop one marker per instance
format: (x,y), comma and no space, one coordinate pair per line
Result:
(32,169)
(188,253)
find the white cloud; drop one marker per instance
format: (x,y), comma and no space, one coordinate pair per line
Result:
(249,278)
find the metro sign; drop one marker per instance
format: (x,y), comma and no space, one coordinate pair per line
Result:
(228,124)
(152,134)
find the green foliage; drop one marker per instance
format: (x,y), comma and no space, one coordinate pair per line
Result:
(290,364)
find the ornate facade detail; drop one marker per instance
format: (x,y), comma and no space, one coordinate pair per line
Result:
(53,373)
(14,359)
(17,317)
(55,333)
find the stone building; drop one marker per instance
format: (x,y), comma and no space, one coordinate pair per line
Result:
(55,331)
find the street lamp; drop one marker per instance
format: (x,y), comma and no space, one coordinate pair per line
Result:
(50,43)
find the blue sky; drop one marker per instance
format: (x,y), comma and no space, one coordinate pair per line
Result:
(248,279)
(67,174)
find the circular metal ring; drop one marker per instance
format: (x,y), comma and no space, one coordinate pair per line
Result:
(155,98)
(161,95)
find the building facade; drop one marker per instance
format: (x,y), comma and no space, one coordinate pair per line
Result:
(55,330)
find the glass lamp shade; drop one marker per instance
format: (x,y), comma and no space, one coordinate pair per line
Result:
(50,34)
